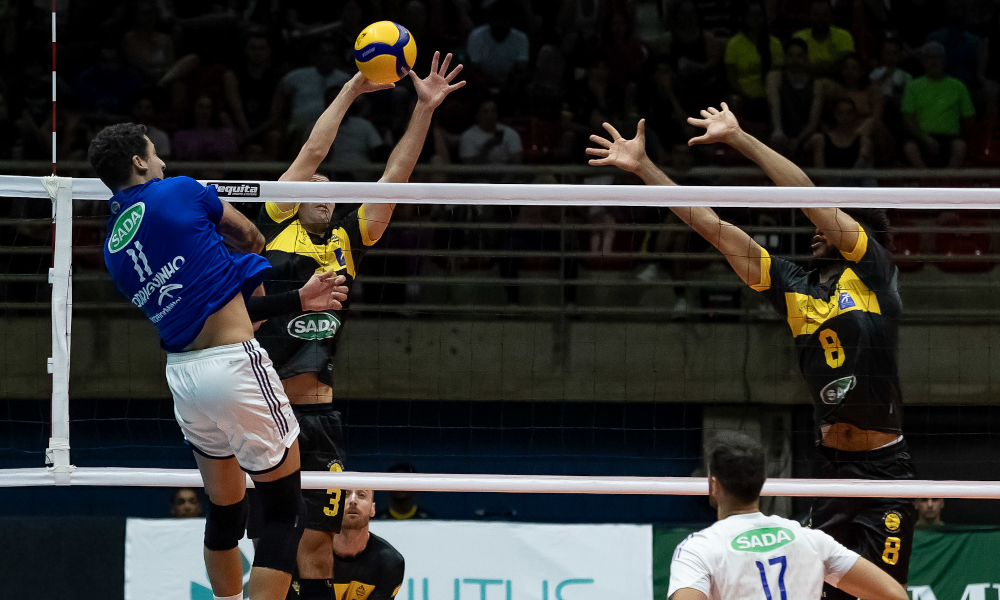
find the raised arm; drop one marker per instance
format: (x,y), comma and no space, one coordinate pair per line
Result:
(314,151)
(721,126)
(431,92)
(739,248)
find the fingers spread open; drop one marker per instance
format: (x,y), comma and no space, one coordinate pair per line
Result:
(599,162)
(705,114)
(455,86)
(713,110)
(725,107)
(698,140)
(454,73)
(445,64)
(599,140)
(598,151)
(434,62)
(614,132)
(697,122)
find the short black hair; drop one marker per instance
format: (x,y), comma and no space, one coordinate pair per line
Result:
(112,149)
(876,224)
(737,462)
(797,43)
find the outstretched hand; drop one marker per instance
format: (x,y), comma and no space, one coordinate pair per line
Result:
(324,291)
(360,84)
(433,89)
(719,126)
(625,154)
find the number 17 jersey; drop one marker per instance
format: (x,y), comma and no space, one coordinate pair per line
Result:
(754,557)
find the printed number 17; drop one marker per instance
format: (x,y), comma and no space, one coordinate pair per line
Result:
(781,576)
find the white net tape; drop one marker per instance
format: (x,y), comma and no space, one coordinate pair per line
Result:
(495,194)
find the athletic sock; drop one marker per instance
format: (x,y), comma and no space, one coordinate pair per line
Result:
(316,589)
(235,597)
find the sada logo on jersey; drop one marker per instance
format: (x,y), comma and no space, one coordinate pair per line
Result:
(764,539)
(125,227)
(313,326)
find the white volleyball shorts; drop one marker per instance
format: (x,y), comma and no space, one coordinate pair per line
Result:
(229,402)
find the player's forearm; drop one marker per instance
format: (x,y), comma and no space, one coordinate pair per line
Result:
(238,233)
(321,138)
(404,156)
(839,228)
(782,171)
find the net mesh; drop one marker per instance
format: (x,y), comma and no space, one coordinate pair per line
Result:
(539,340)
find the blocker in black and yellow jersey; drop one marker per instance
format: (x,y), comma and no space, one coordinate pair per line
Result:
(843,313)
(366,567)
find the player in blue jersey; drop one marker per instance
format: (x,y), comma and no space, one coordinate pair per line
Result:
(189,261)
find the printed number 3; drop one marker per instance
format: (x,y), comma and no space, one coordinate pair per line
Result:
(781,576)
(334,494)
(832,348)
(891,554)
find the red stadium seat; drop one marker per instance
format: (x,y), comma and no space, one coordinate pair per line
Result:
(963,245)
(907,244)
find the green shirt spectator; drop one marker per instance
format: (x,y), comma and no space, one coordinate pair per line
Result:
(743,62)
(827,44)
(938,105)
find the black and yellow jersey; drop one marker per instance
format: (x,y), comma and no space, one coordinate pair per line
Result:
(847,334)
(303,342)
(376,573)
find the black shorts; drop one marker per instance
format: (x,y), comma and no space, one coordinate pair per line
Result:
(321,448)
(879,529)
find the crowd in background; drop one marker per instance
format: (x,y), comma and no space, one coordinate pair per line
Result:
(834,83)
(829,83)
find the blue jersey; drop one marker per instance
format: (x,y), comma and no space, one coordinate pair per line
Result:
(164,254)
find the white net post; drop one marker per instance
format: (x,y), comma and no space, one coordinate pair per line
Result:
(60,189)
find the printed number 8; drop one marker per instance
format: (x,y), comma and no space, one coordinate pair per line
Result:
(891,554)
(335,493)
(831,346)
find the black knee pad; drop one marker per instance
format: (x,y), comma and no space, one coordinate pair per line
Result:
(224,525)
(284,515)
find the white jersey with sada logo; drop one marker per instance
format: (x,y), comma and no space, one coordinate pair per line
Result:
(754,557)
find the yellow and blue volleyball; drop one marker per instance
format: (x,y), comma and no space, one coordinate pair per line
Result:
(385,52)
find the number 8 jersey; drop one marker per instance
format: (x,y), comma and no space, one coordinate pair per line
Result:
(847,334)
(753,557)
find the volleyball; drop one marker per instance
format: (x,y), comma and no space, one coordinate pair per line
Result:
(385,52)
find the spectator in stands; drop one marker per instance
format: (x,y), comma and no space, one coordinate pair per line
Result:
(185,504)
(596,94)
(750,56)
(893,81)
(498,53)
(929,512)
(579,23)
(666,118)
(547,86)
(853,82)
(144,112)
(796,100)
(301,93)
(966,58)
(488,141)
(257,79)
(845,142)
(936,110)
(106,89)
(403,505)
(146,48)
(696,59)
(210,138)
(827,44)
(621,48)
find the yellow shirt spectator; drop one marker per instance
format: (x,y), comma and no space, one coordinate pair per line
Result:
(824,54)
(743,62)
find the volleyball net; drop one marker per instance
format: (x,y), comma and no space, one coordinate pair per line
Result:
(522,338)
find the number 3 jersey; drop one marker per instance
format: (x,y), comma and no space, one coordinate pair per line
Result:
(165,255)
(753,557)
(847,332)
(303,342)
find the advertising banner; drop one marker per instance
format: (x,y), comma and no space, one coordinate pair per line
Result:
(445,560)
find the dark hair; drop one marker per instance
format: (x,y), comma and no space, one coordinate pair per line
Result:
(402,467)
(763,41)
(876,224)
(737,462)
(112,149)
(797,43)
(864,82)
